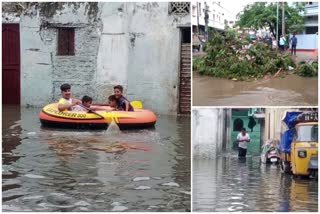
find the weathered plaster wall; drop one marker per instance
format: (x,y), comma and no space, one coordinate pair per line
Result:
(209,131)
(112,59)
(154,55)
(136,45)
(141,51)
(42,70)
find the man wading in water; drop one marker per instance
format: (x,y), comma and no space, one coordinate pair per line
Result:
(243,139)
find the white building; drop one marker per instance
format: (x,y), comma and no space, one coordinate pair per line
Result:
(308,39)
(219,16)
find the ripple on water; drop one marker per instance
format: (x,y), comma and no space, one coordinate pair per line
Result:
(141,179)
(142,188)
(119,208)
(88,180)
(34,176)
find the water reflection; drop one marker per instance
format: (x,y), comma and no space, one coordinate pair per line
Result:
(68,170)
(229,184)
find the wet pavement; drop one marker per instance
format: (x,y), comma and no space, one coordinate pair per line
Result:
(231,185)
(72,170)
(292,90)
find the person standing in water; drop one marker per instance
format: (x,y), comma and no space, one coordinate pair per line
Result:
(243,139)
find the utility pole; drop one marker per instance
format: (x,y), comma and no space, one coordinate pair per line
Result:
(206,20)
(277,30)
(283,20)
(198,18)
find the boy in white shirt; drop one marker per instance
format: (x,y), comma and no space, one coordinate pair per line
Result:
(243,139)
(66,102)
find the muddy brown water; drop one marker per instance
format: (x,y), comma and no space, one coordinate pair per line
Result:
(68,170)
(292,90)
(226,184)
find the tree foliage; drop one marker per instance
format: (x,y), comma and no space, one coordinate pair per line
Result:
(262,14)
(227,58)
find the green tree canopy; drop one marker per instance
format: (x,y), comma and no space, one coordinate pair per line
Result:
(262,14)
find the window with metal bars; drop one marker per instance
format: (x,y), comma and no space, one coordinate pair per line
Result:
(65,41)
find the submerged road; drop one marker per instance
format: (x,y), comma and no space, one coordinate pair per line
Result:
(229,185)
(71,170)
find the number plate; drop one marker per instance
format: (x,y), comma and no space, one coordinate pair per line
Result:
(273,159)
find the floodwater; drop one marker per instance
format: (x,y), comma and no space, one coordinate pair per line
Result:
(231,185)
(292,90)
(72,170)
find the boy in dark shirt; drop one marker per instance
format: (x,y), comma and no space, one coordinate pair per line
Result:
(123,103)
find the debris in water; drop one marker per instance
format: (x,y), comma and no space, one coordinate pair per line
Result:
(141,179)
(172,184)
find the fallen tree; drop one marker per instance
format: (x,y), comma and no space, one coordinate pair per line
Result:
(232,56)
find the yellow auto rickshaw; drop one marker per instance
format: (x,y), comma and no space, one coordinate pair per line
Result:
(299,144)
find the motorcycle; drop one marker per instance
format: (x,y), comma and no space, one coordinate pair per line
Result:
(270,153)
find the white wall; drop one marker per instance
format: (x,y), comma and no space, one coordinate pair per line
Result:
(307,41)
(154,50)
(136,45)
(208,132)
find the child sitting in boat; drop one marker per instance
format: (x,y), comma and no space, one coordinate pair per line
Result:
(112,101)
(66,102)
(87,106)
(86,103)
(123,102)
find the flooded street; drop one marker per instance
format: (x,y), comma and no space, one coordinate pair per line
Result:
(291,90)
(71,170)
(227,184)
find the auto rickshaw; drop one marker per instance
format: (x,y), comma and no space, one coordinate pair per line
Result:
(299,144)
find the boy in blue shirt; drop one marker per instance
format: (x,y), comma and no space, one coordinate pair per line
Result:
(123,103)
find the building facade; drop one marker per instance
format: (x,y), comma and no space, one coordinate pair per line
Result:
(308,39)
(218,16)
(95,46)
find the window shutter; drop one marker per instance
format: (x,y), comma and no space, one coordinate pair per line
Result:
(66,41)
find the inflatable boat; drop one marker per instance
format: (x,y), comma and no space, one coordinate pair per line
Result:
(50,116)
